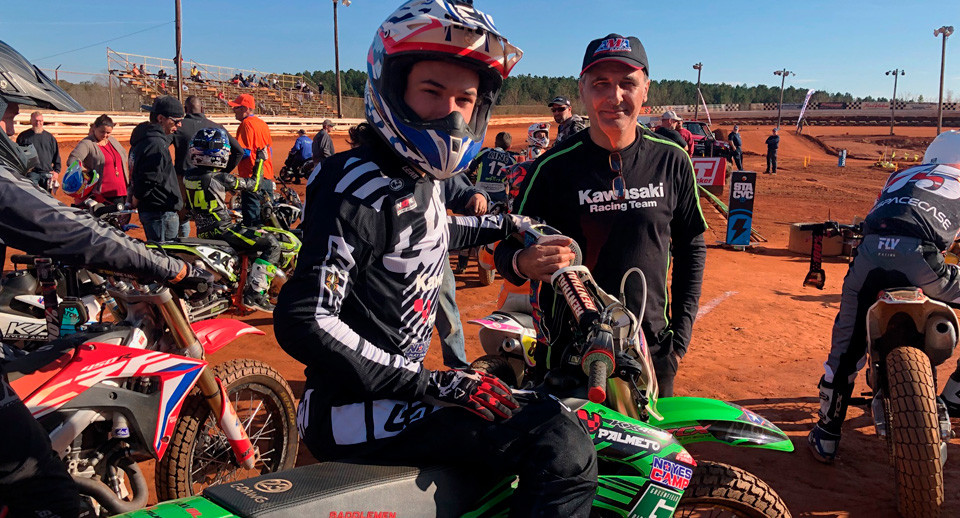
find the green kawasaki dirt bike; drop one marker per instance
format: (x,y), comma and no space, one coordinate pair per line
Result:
(645,470)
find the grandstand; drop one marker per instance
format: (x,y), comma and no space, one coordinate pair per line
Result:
(276,94)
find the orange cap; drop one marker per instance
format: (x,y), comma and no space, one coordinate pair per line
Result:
(243,100)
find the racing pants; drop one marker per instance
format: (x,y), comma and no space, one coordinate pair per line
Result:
(545,443)
(33,480)
(882,262)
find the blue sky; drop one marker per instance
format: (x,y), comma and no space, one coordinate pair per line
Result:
(843,46)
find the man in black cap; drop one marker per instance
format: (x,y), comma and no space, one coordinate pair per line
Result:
(567,122)
(156,190)
(628,197)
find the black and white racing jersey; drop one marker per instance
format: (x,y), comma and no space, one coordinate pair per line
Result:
(360,308)
(920,202)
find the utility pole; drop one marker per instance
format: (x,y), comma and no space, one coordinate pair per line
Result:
(336,55)
(946,31)
(179,57)
(783,78)
(893,104)
(696,103)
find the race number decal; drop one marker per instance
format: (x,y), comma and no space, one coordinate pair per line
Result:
(656,502)
(740,217)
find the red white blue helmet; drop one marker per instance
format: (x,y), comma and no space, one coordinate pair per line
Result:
(538,134)
(446,30)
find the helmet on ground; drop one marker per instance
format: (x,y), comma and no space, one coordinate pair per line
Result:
(538,134)
(443,30)
(210,148)
(77,183)
(945,149)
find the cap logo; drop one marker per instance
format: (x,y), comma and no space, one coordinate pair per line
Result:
(613,45)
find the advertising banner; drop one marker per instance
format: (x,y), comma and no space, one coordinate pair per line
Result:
(710,170)
(740,217)
(803,108)
(874,105)
(832,105)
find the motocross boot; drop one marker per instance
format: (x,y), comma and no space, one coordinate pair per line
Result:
(258,282)
(951,395)
(824,439)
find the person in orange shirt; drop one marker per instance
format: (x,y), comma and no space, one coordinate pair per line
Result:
(254,136)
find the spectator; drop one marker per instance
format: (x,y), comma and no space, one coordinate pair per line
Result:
(353,136)
(47,172)
(251,80)
(257,144)
(668,128)
(322,143)
(320,87)
(162,74)
(686,135)
(143,73)
(237,79)
(298,85)
(156,191)
(737,144)
(567,122)
(300,154)
(135,72)
(102,153)
(193,122)
(773,142)
(195,74)
(275,83)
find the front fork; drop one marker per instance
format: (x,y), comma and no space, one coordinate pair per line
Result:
(212,388)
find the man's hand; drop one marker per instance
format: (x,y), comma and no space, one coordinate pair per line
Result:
(477,392)
(477,206)
(538,262)
(192,278)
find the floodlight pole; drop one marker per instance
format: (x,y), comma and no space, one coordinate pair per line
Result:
(783,78)
(696,102)
(893,103)
(946,31)
(336,57)
(179,57)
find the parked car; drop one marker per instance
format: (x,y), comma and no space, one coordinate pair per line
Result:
(705,143)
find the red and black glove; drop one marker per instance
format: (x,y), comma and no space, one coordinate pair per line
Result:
(478,392)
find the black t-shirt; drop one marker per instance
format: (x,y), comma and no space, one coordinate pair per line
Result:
(569,188)
(673,135)
(921,202)
(48,151)
(773,142)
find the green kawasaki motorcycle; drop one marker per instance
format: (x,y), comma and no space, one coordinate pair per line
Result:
(645,471)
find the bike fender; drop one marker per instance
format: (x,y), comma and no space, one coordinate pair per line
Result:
(693,420)
(218,332)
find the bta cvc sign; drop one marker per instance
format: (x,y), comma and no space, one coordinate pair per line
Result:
(740,216)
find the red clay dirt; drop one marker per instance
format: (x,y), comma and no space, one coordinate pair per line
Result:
(761,337)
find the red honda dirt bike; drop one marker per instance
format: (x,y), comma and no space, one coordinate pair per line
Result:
(908,336)
(117,393)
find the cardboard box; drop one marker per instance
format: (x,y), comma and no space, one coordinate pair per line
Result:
(802,240)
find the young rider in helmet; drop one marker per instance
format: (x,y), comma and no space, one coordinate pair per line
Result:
(33,479)
(538,138)
(206,185)
(915,219)
(376,235)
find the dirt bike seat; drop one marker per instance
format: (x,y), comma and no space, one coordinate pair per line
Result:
(352,489)
(200,241)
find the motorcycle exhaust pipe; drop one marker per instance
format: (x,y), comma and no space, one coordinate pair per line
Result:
(105,496)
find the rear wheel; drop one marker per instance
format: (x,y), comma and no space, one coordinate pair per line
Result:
(200,455)
(718,490)
(914,433)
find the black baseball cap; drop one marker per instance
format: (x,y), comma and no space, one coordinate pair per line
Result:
(165,105)
(614,47)
(561,100)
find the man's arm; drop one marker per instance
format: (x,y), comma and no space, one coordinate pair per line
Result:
(56,155)
(32,221)
(457,193)
(308,322)
(689,257)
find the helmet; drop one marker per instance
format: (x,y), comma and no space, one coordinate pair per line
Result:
(446,30)
(538,134)
(945,149)
(210,147)
(77,183)
(23,83)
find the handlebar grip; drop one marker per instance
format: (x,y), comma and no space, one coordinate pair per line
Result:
(597,387)
(23,259)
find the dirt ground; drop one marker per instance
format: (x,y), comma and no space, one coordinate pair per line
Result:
(761,337)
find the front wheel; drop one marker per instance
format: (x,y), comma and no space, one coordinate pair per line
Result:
(721,490)
(914,433)
(200,455)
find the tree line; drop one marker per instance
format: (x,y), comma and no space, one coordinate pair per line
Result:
(528,89)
